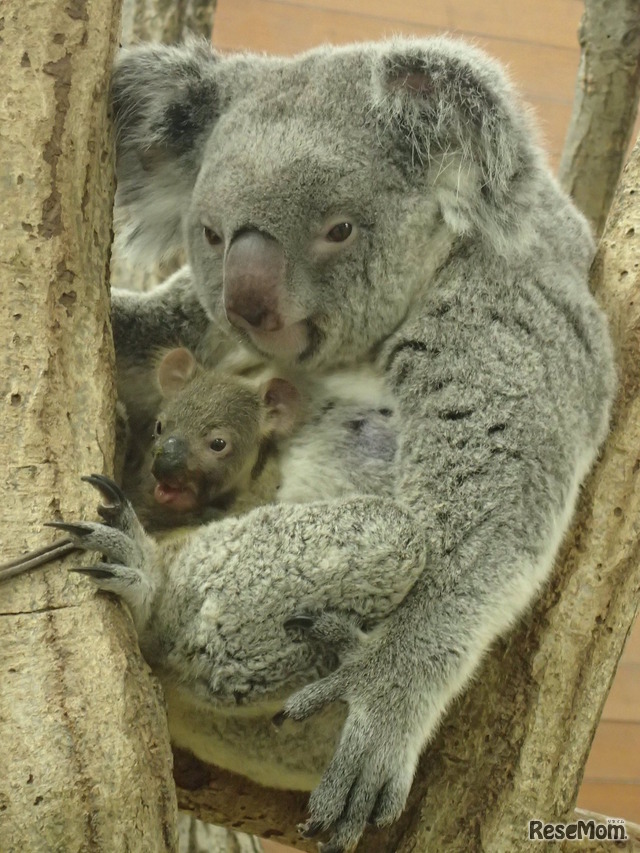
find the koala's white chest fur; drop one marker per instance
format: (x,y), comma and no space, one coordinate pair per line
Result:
(246,742)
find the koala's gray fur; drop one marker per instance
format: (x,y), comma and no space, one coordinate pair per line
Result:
(349,444)
(463,281)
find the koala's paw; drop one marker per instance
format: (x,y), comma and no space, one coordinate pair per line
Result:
(93,536)
(121,540)
(369,778)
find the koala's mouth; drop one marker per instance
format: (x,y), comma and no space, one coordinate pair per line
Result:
(287,342)
(178,497)
(297,342)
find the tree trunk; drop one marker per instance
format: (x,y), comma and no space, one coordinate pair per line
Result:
(167,21)
(514,747)
(84,750)
(605,106)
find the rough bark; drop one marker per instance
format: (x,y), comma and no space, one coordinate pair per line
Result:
(166,20)
(605,105)
(84,750)
(514,747)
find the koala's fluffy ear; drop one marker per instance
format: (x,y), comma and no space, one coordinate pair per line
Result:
(165,102)
(453,116)
(175,370)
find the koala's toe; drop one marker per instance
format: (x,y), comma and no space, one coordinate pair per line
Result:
(77,529)
(312,698)
(390,802)
(97,572)
(108,488)
(124,581)
(349,827)
(340,631)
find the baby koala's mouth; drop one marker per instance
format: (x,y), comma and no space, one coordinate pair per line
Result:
(178,497)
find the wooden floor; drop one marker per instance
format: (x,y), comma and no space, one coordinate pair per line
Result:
(612,776)
(537,40)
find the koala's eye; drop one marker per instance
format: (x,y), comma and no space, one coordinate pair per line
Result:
(211,237)
(158,427)
(218,444)
(340,232)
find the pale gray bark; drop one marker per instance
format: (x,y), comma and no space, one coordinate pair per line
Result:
(166,20)
(84,748)
(605,106)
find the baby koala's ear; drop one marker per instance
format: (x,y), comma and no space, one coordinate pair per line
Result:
(175,370)
(284,406)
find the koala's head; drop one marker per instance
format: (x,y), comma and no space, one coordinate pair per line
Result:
(213,432)
(315,194)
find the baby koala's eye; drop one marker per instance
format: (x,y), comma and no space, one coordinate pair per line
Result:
(212,238)
(340,232)
(218,444)
(158,427)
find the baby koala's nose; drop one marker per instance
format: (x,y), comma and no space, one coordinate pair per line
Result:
(169,457)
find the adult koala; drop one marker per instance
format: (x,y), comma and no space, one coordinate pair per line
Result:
(381,203)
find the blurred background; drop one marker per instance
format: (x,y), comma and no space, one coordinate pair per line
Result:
(538,41)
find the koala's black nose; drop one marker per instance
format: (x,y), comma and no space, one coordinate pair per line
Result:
(169,458)
(254,274)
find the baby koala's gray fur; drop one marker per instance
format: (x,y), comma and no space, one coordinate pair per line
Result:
(461,275)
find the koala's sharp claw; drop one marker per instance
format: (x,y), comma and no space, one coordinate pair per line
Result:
(107,486)
(94,572)
(279,718)
(300,621)
(77,529)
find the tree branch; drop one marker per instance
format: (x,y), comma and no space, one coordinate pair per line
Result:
(605,105)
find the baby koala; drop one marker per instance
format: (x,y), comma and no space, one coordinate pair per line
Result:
(228,440)
(215,442)
(214,451)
